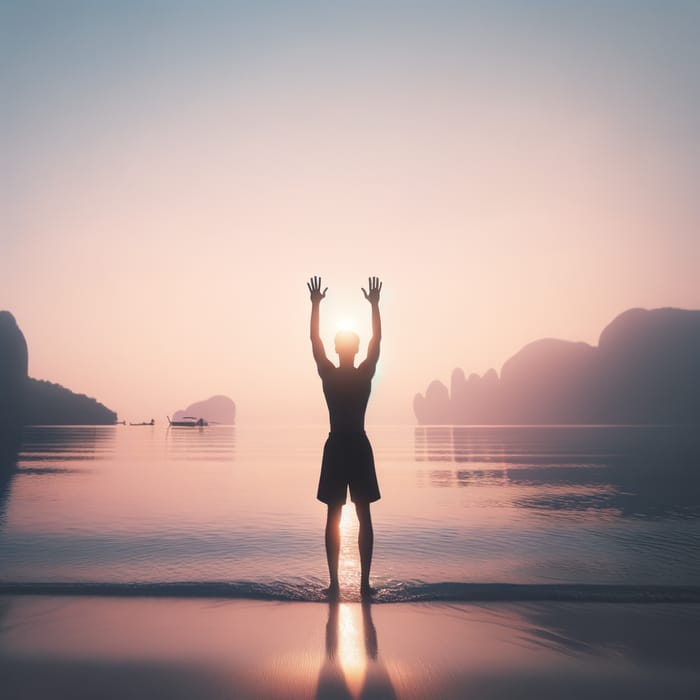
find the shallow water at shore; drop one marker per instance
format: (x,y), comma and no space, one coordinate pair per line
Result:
(615,507)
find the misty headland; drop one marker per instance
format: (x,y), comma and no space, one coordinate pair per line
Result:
(644,370)
(28,401)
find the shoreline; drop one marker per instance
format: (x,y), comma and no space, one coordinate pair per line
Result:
(387,593)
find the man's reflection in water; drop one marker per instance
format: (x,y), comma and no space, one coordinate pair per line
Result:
(352,668)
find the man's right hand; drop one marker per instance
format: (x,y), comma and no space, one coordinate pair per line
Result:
(375,287)
(314,287)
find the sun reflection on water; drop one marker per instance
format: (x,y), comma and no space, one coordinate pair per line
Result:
(349,564)
(351,647)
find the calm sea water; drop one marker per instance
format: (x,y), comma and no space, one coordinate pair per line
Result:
(153,506)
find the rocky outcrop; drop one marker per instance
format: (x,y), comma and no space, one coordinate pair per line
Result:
(649,367)
(13,373)
(27,401)
(217,409)
(51,404)
(645,369)
(549,381)
(434,407)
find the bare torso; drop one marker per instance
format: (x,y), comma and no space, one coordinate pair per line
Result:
(347,392)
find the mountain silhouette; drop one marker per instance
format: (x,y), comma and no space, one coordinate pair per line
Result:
(46,403)
(14,360)
(27,401)
(645,369)
(217,409)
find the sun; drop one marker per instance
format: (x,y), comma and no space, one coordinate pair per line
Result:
(345,324)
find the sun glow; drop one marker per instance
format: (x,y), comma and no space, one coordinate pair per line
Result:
(346,324)
(347,516)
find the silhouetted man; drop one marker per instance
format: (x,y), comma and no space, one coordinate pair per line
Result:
(347,455)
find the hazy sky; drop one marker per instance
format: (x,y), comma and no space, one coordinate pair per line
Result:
(171,173)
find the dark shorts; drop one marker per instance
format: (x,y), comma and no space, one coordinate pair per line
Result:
(347,462)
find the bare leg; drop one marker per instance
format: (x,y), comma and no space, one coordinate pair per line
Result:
(333,546)
(365,541)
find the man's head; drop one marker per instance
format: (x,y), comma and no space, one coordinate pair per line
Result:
(347,344)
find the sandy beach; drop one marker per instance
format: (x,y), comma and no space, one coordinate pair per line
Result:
(87,647)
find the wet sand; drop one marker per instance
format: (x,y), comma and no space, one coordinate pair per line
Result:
(89,647)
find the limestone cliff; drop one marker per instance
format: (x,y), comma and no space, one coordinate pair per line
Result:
(13,372)
(27,401)
(645,369)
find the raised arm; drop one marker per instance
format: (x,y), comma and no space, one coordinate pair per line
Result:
(375,287)
(314,287)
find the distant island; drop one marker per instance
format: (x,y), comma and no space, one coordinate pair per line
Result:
(217,409)
(28,401)
(644,370)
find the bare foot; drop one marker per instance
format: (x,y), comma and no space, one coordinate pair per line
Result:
(332,592)
(366,591)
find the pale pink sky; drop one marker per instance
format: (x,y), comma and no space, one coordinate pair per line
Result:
(173,176)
